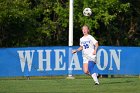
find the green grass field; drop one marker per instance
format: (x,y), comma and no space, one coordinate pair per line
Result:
(82,85)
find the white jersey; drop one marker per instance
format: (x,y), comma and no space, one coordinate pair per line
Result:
(88,42)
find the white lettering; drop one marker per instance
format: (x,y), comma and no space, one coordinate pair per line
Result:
(59,64)
(41,60)
(74,62)
(113,55)
(105,59)
(26,56)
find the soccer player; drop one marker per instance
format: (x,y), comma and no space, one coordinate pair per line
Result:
(89,46)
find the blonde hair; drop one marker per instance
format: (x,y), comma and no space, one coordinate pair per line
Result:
(87,27)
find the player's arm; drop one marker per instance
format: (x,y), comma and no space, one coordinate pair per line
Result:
(79,49)
(96,47)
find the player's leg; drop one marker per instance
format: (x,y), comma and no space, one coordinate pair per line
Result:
(91,65)
(85,68)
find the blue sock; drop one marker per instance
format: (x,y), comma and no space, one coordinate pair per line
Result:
(91,65)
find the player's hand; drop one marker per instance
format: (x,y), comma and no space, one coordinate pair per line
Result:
(94,53)
(74,51)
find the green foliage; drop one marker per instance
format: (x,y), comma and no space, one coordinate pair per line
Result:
(16,24)
(37,22)
(104,13)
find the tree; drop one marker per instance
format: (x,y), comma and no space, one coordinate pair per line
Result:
(104,13)
(17,22)
(55,21)
(45,22)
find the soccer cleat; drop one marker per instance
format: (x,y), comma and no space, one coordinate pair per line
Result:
(96,83)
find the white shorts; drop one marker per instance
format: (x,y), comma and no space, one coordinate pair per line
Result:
(87,58)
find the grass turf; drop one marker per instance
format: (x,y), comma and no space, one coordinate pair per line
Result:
(107,85)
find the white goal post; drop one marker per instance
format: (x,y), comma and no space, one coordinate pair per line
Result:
(70,43)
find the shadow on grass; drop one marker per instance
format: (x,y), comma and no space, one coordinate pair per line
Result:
(117,82)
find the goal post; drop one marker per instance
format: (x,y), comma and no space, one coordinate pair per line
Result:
(71,23)
(70,43)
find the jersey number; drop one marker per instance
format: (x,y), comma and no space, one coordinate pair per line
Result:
(86,46)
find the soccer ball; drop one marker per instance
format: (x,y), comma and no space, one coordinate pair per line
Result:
(87,12)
